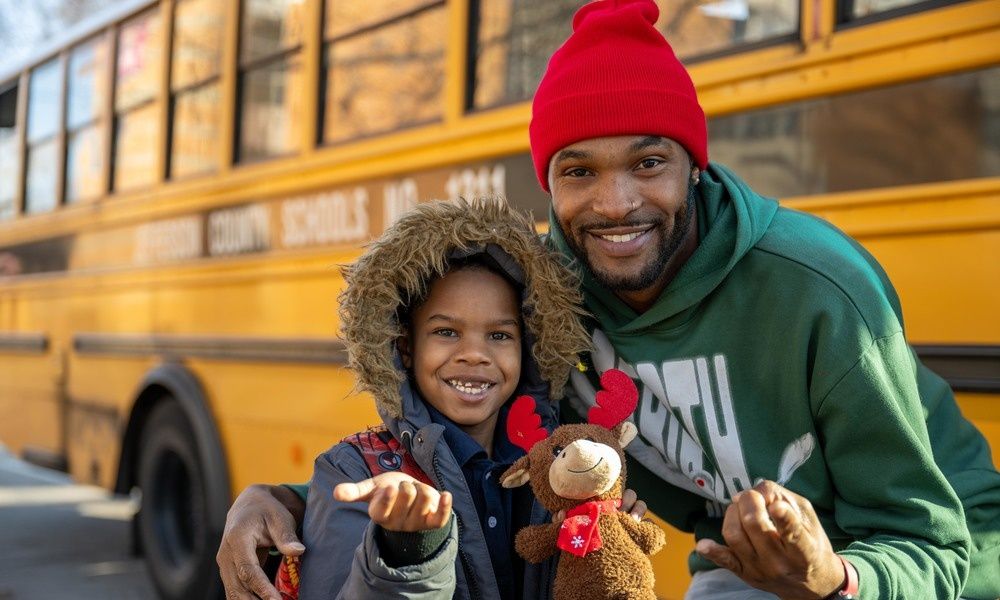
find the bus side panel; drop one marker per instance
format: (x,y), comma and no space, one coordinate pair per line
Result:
(275,418)
(30,405)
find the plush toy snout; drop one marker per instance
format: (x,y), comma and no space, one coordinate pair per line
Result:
(584,469)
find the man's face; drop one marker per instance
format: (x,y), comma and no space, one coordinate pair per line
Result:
(626,205)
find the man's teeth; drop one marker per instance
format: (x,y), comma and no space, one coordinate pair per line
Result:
(469,387)
(628,237)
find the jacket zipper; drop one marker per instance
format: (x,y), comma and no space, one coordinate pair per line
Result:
(466,568)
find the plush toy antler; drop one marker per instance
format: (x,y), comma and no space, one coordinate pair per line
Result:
(616,400)
(524,425)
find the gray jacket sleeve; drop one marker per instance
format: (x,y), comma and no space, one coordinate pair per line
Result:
(342,559)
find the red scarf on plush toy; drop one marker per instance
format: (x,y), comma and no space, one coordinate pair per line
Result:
(580,532)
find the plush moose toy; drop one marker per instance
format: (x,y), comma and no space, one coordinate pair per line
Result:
(580,469)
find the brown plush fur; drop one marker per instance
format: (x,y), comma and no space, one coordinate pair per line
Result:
(398,267)
(621,568)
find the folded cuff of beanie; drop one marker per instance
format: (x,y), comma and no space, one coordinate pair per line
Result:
(575,117)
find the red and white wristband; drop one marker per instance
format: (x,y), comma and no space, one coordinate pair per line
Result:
(849,591)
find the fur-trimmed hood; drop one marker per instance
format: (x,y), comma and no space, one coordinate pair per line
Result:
(416,249)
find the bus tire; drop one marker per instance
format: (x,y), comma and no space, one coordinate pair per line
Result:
(177,538)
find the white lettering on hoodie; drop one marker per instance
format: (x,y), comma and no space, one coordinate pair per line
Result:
(676,397)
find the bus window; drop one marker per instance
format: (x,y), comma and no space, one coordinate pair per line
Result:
(940,129)
(515,39)
(137,127)
(697,29)
(88,68)
(513,43)
(44,93)
(194,83)
(270,74)
(859,9)
(10,156)
(385,75)
(342,17)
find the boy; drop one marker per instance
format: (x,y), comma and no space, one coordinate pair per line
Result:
(453,313)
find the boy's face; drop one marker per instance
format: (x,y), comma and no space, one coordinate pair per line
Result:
(464,348)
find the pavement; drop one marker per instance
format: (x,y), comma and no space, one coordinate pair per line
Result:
(60,540)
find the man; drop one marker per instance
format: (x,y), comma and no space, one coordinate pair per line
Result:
(782,411)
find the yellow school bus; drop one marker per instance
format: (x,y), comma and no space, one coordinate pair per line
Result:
(180,179)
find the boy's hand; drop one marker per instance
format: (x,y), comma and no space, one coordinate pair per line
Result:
(398,502)
(776,543)
(630,504)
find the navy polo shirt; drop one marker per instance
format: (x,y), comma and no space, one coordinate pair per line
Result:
(502,512)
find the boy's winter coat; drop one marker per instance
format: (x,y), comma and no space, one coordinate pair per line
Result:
(343,559)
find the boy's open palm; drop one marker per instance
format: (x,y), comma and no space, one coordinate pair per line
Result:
(398,502)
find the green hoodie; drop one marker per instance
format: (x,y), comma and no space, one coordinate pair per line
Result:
(778,353)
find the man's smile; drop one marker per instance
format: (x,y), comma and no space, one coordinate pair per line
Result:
(621,241)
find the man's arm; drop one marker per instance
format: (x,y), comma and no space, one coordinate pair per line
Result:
(261,517)
(909,534)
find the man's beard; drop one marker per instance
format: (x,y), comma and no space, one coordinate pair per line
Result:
(649,273)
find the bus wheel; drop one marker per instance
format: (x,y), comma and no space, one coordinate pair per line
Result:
(173,517)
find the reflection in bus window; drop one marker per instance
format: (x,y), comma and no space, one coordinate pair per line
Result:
(270,27)
(195,144)
(138,71)
(514,38)
(344,17)
(88,65)
(856,9)
(40,180)
(44,93)
(270,121)
(137,126)
(84,163)
(197,44)
(135,155)
(270,75)
(873,138)
(386,77)
(196,117)
(10,157)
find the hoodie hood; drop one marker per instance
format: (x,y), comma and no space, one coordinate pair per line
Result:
(725,204)
(415,250)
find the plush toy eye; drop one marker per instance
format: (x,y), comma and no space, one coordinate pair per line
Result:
(589,439)
(556,450)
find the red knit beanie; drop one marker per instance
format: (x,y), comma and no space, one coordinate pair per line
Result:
(615,75)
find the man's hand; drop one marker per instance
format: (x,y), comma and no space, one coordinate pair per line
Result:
(262,516)
(632,505)
(776,543)
(399,502)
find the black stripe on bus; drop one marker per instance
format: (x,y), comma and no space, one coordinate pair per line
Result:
(965,368)
(323,351)
(35,343)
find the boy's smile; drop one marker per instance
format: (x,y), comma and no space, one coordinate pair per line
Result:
(464,348)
